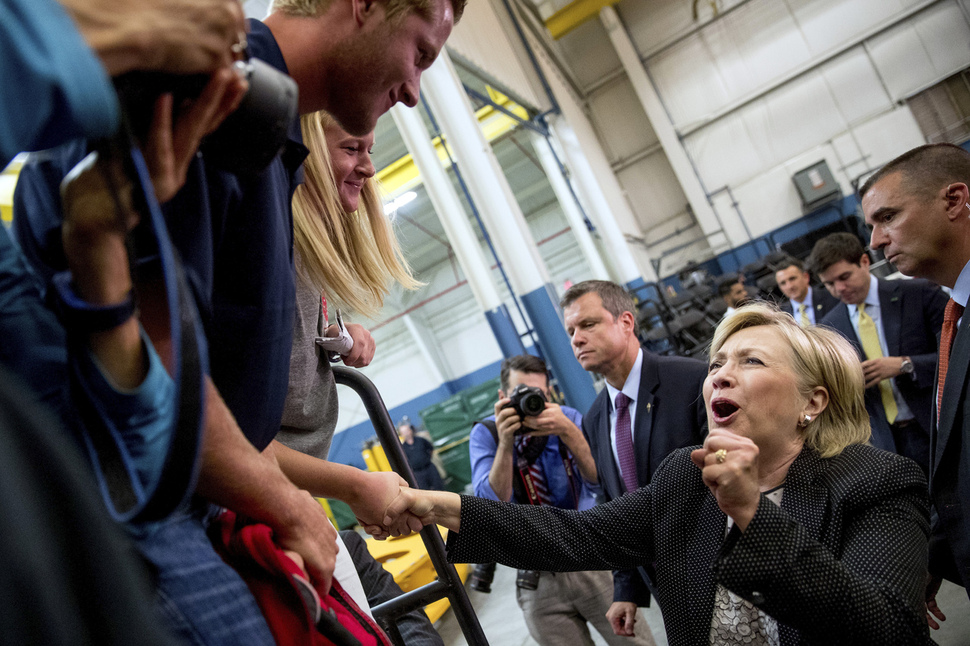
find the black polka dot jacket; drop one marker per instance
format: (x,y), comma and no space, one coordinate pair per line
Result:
(842,561)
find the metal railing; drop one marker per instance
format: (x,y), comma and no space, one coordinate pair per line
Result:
(448,583)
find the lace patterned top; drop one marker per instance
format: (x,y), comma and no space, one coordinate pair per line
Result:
(736,620)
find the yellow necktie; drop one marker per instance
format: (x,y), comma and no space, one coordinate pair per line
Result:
(803,319)
(873,350)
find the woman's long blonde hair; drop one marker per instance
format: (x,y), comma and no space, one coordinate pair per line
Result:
(353,257)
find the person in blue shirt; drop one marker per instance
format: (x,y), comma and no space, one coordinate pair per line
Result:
(544,460)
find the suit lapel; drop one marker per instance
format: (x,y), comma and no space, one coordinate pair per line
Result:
(956,378)
(891,315)
(649,382)
(804,493)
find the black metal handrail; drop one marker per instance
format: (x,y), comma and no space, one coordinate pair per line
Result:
(448,583)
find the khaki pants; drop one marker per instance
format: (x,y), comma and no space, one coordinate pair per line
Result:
(557,611)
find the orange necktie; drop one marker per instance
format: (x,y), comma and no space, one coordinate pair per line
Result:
(951,315)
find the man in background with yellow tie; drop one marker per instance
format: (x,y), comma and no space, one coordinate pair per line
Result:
(919,209)
(808,306)
(894,325)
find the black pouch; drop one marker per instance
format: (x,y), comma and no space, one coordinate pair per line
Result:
(527,579)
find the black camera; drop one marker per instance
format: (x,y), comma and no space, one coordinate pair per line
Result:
(482,576)
(527,401)
(248,140)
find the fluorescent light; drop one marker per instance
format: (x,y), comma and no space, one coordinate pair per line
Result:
(399,201)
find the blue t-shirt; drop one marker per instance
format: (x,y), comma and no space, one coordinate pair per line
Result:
(56,88)
(481,451)
(235,237)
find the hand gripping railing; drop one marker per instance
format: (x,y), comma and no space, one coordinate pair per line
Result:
(448,584)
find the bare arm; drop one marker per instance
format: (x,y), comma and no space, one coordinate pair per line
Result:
(368,494)
(235,475)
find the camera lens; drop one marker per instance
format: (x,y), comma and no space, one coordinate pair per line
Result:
(532,404)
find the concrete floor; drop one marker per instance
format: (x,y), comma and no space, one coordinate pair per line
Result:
(502,620)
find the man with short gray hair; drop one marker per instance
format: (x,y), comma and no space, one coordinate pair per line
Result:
(919,208)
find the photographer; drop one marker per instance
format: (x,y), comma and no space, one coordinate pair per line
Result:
(533,452)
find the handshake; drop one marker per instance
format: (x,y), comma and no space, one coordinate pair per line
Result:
(408,510)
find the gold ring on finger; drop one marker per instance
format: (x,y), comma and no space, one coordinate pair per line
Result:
(720,455)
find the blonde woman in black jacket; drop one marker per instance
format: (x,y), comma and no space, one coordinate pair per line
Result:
(785,527)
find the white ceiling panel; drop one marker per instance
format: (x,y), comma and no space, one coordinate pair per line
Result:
(653,190)
(688,80)
(621,121)
(724,153)
(927,48)
(826,24)
(853,82)
(794,118)
(754,45)
(888,136)
(589,53)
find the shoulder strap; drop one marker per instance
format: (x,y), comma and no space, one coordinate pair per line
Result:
(128,499)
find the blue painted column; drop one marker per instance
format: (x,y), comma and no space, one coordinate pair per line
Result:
(504,331)
(506,225)
(576,384)
(456,224)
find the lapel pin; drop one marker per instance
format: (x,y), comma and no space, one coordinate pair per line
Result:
(649,406)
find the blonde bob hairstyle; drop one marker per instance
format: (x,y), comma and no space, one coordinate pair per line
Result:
(352,257)
(819,357)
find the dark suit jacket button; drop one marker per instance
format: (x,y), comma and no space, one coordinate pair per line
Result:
(757,598)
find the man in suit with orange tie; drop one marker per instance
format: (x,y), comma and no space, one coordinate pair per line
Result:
(919,208)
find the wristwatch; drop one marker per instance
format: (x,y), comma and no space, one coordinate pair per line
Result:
(907,367)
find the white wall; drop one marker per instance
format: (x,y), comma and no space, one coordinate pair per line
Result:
(758,93)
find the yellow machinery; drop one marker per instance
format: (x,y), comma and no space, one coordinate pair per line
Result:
(407,560)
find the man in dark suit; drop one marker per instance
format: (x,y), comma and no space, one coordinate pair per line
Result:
(807,305)
(651,406)
(918,208)
(894,325)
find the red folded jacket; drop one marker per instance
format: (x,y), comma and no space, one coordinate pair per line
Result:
(297,613)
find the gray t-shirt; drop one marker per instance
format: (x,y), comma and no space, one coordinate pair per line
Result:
(310,412)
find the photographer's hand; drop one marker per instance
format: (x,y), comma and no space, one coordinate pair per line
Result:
(176,36)
(177,131)
(507,422)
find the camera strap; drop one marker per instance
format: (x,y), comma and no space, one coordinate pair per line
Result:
(126,497)
(530,484)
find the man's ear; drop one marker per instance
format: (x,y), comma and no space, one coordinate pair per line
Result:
(957,197)
(501,394)
(628,321)
(362,10)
